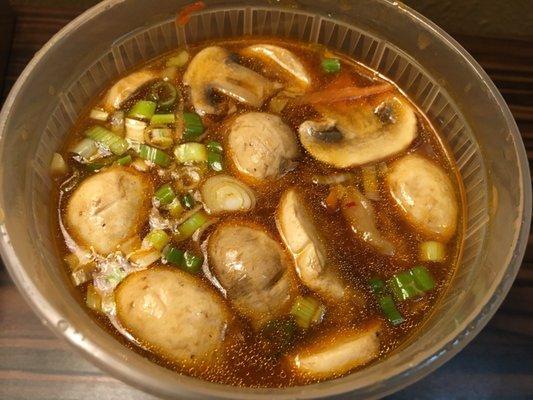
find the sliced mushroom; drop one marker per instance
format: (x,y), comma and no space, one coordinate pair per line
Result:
(213,69)
(125,87)
(425,196)
(108,208)
(261,146)
(336,353)
(297,229)
(253,270)
(359,213)
(360,132)
(282,58)
(224,193)
(173,314)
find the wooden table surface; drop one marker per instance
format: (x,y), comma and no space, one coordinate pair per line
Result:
(498,363)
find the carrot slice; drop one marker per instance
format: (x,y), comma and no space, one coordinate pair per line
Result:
(184,15)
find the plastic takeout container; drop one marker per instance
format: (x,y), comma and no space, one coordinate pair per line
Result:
(438,75)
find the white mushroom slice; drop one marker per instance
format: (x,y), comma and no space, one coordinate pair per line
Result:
(262,146)
(213,69)
(252,268)
(108,208)
(361,132)
(173,314)
(125,87)
(425,196)
(297,229)
(224,193)
(359,213)
(337,353)
(281,57)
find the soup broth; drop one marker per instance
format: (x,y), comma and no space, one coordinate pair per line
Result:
(325,232)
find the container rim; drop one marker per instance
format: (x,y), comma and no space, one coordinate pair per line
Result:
(51,316)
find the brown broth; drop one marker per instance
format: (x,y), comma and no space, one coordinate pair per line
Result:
(246,362)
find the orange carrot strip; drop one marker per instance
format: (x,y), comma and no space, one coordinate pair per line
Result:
(184,15)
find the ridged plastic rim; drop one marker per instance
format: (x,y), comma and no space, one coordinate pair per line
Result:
(117,367)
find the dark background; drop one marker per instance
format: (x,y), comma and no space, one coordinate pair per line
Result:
(497,364)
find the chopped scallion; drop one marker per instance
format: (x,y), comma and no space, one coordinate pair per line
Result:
(215,147)
(85,148)
(307,310)
(126,160)
(164,94)
(194,126)
(188,201)
(331,65)
(165,194)
(178,60)
(432,251)
(112,141)
(159,137)
(93,299)
(173,255)
(158,119)
(175,209)
(145,257)
(192,263)
(99,114)
(215,161)
(135,130)
(192,224)
(143,109)
(157,238)
(412,283)
(100,163)
(190,153)
(154,155)
(385,301)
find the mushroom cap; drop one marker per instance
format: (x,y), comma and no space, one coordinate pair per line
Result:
(425,196)
(338,352)
(213,69)
(126,86)
(108,208)
(281,58)
(261,146)
(253,270)
(172,313)
(298,232)
(367,131)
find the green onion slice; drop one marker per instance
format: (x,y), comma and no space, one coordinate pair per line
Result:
(412,283)
(188,201)
(165,194)
(215,147)
(194,126)
(215,161)
(85,148)
(192,152)
(192,224)
(93,299)
(159,137)
(126,160)
(192,262)
(432,251)
(157,238)
(164,94)
(161,119)
(154,155)
(307,310)
(386,302)
(178,60)
(143,109)
(173,255)
(331,65)
(112,141)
